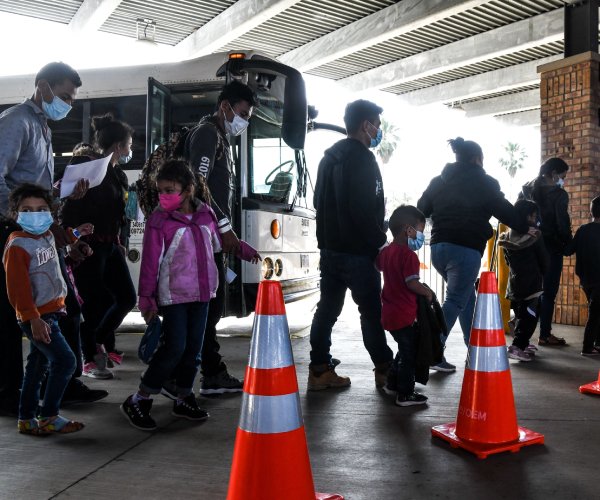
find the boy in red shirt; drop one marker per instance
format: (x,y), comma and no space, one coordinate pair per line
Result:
(400,266)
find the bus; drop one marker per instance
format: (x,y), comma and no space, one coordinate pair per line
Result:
(273,199)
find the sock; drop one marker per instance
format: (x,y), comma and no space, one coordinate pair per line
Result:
(137,397)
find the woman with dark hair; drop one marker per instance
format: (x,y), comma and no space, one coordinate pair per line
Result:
(547,191)
(460,203)
(103,279)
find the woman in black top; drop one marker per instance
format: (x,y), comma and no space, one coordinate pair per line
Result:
(547,191)
(103,279)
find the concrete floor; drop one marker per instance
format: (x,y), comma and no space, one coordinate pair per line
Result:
(361,445)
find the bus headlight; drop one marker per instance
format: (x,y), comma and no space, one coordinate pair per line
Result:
(278,268)
(133,255)
(275,229)
(267,268)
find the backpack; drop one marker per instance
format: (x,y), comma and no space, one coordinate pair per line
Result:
(173,149)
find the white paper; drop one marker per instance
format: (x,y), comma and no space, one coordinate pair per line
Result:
(230,275)
(94,171)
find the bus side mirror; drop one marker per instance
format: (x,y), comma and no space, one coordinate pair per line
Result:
(295,117)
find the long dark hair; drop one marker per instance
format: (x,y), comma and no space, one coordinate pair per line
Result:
(108,131)
(553,165)
(179,171)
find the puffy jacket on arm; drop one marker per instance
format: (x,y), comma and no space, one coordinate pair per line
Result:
(503,210)
(153,250)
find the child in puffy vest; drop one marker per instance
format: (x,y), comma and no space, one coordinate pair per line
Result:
(178,277)
(37,292)
(527,260)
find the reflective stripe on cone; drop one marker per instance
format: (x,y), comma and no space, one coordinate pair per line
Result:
(270,457)
(487,420)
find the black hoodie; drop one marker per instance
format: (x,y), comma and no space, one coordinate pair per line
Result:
(349,200)
(461,202)
(553,202)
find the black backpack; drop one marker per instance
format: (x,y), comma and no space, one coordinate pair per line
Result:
(173,149)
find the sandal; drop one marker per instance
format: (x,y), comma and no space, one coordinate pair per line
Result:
(552,340)
(59,425)
(31,427)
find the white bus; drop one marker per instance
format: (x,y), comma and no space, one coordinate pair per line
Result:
(159,99)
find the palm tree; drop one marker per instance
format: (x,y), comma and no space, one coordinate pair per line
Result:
(389,142)
(514,161)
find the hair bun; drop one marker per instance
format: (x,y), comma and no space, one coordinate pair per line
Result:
(456,144)
(100,122)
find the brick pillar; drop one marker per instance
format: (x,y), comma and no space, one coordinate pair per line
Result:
(570,129)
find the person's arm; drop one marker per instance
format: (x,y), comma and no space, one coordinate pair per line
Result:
(571,247)
(563,221)
(542,255)
(360,189)
(149,267)
(425,203)
(202,156)
(18,284)
(502,209)
(14,136)
(411,272)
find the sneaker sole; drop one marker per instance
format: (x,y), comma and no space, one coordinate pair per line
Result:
(519,359)
(203,419)
(219,391)
(124,412)
(411,403)
(443,370)
(168,395)
(326,386)
(388,391)
(99,377)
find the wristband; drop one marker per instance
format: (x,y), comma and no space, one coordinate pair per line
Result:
(76,233)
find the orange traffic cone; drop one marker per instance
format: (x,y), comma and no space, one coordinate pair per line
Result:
(487,421)
(270,458)
(591,388)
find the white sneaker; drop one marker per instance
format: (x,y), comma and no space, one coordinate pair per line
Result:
(97,368)
(515,353)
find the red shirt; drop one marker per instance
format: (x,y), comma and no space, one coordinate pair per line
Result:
(399,265)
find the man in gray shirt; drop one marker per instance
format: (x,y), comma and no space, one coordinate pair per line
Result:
(26,139)
(26,156)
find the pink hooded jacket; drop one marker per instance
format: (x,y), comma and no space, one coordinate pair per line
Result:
(178,264)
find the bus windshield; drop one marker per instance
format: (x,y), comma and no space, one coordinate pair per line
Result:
(272,167)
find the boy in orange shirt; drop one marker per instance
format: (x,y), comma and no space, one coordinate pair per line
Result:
(37,292)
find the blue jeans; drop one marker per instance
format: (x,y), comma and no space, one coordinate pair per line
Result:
(402,373)
(340,272)
(551,285)
(179,350)
(459,266)
(58,359)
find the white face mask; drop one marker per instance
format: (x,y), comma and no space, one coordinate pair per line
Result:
(237,125)
(560,182)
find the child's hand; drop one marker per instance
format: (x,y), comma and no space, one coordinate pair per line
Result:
(40,330)
(148,316)
(255,258)
(86,229)
(429,296)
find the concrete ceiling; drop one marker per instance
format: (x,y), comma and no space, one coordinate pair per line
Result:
(476,54)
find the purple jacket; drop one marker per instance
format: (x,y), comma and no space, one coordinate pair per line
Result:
(178,264)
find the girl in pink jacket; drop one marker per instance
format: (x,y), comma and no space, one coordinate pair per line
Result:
(178,274)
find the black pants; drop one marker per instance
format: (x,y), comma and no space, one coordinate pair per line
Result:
(401,376)
(211,359)
(103,274)
(551,286)
(591,334)
(70,324)
(11,348)
(527,313)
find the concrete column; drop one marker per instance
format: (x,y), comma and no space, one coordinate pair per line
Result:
(570,129)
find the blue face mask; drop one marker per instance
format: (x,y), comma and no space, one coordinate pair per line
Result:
(375,141)
(560,182)
(35,222)
(123,159)
(57,109)
(416,243)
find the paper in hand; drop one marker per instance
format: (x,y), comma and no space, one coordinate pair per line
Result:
(94,171)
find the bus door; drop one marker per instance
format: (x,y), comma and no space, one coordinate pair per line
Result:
(158,115)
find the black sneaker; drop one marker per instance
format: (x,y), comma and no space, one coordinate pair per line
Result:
(189,409)
(138,413)
(412,399)
(77,392)
(220,383)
